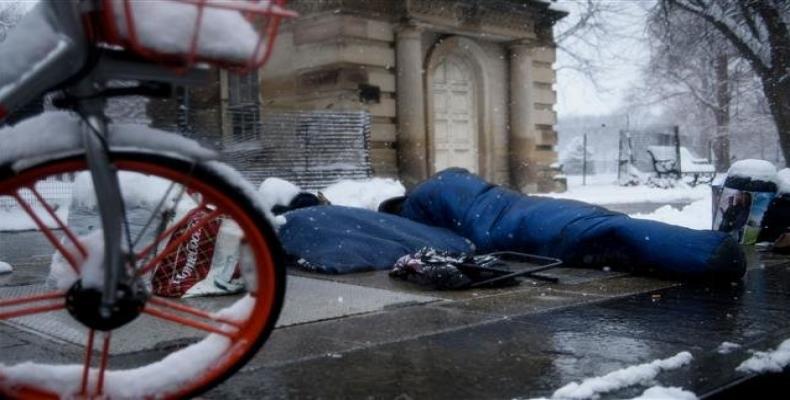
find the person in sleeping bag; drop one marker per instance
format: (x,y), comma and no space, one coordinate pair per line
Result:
(495,218)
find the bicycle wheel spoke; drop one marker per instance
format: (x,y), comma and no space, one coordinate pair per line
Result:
(86,364)
(168,202)
(32,310)
(178,241)
(61,225)
(169,231)
(105,353)
(169,304)
(155,312)
(48,233)
(31,298)
(156,212)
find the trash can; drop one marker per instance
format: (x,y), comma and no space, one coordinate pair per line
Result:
(743,200)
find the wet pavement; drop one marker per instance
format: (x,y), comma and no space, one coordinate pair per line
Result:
(528,341)
(369,336)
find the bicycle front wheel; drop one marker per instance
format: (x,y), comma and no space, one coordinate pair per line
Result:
(189,229)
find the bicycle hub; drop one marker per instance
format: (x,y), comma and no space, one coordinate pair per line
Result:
(85,305)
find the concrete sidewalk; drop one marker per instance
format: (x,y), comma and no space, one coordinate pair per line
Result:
(525,341)
(370,336)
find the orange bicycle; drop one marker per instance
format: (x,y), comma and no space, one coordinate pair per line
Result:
(141,194)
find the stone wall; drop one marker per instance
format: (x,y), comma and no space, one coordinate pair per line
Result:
(341,62)
(344,55)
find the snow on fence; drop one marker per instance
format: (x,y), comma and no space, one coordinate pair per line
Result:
(310,148)
(56,191)
(659,149)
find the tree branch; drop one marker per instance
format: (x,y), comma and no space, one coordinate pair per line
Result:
(701,9)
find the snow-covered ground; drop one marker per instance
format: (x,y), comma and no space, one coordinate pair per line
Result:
(603,189)
(697,215)
(57,195)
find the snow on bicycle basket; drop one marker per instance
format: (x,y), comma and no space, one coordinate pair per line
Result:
(234,34)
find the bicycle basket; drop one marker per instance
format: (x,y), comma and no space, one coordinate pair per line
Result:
(233,34)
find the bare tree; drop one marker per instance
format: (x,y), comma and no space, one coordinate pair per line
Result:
(758,32)
(583,36)
(694,60)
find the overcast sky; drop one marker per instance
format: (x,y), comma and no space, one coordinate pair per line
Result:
(621,57)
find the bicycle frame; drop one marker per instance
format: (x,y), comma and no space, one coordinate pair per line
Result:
(84,86)
(90,104)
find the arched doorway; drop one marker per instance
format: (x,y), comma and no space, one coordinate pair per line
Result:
(455,129)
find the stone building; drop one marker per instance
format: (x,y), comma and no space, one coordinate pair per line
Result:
(464,83)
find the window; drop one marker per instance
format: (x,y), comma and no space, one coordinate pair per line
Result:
(243,106)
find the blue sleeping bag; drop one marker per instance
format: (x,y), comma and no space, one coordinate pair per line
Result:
(340,240)
(580,234)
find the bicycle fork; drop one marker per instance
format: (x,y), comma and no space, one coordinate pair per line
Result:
(108,198)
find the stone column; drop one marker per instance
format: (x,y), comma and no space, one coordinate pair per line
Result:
(412,140)
(521,146)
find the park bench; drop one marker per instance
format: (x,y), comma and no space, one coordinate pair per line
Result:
(665,164)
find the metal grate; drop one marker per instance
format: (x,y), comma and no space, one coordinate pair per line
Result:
(55,190)
(311,148)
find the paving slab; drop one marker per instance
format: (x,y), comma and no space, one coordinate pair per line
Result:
(307,300)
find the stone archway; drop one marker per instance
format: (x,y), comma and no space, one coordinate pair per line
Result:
(457,121)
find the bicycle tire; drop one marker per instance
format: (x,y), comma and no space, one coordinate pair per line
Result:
(228,197)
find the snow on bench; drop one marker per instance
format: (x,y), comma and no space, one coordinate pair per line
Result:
(665,162)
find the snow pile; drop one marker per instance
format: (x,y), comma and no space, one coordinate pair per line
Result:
(768,361)
(363,193)
(614,194)
(139,190)
(27,49)
(56,193)
(245,187)
(276,191)
(92,269)
(760,170)
(633,375)
(666,393)
(238,311)
(154,380)
(16,219)
(168,27)
(784,180)
(696,215)
(166,375)
(5,268)
(367,193)
(727,347)
(61,275)
(31,141)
